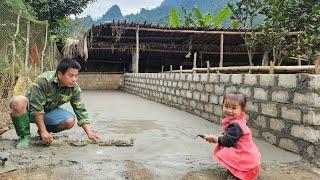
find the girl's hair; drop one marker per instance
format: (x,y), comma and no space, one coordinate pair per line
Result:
(236,96)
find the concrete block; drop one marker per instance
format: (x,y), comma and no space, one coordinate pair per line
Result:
(193,86)
(177,76)
(221,100)
(289,144)
(267,79)
(276,124)
(204,97)
(219,89)
(260,93)
(185,85)
(193,104)
(307,133)
(196,77)
(209,88)
(311,151)
(272,139)
(224,78)
(261,121)
(256,132)
(236,78)
(308,99)
(200,87)
(204,77)
(269,109)
(217,110)
(291,114)
(188,77)
(230,89)
(208,108)
(183,93)
(213,99)
(214,78)
(312,117)
(214,118)
(314,83)
(189,94)
(205,115)
(200,106)
(196,95)
(174,84)
(280,96)
(246,91)
(180,84)
(287,80)
(252,106)
(250,79)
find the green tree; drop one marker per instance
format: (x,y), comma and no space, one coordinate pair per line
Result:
(280,18)
(56,12)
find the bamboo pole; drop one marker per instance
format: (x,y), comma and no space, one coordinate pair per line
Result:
(137,49)
(299,60)
(221,50)
(194,61)
(180,72)
(170,68)
(200,32)
(316,67)
(26,64)
(45,46)
(271,68)
(292,69)
(162,68)
(208,67)
(14,49)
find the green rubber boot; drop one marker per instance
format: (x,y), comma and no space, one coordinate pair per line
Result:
(22,126)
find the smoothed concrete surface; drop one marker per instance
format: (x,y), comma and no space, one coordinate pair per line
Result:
(164,145)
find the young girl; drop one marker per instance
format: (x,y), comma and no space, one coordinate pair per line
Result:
(235,149)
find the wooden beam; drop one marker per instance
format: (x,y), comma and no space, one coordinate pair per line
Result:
(255,68)
(178,51)
(198,32)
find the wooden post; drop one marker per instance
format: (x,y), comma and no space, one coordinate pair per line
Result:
(14,49)
(208,67)
(299,60)
(180,72)
(137,50)
(316,67)
(26,63)
(170,68)
(194,61)
(221,50)
(271,67)
(45,46)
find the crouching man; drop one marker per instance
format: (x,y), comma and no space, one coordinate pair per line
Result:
(41,105)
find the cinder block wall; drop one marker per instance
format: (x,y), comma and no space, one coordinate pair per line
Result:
(100,80)
(284,109)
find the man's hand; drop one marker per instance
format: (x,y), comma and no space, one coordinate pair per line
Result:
(46,137)
(211,138)
(93,136)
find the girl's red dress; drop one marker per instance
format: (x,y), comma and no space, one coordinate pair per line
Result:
(243,160)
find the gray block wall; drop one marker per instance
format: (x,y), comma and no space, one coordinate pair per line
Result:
(283,109)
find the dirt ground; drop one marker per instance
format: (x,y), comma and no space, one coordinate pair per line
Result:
(164,147)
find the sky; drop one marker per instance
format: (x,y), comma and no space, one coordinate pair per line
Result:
(98,8)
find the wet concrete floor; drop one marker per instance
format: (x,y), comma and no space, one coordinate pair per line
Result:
(164,144)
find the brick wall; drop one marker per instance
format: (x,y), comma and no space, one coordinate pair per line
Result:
(100,81)
(284,109)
